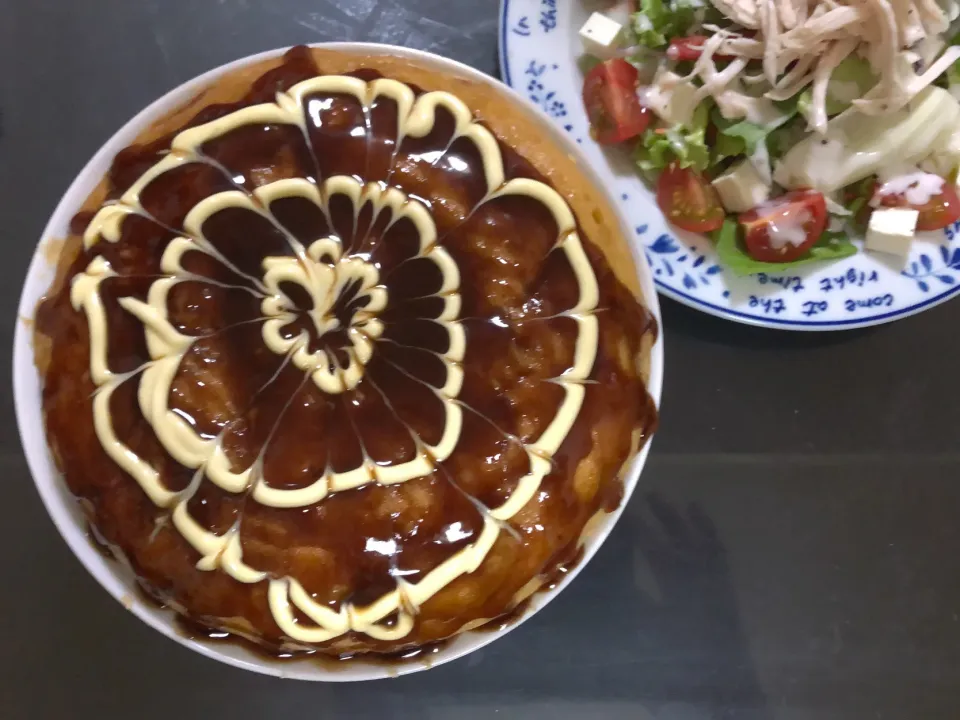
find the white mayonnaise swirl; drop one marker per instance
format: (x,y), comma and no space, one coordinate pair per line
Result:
(322,270)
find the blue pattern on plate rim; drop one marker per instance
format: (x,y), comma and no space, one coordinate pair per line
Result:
(538,52)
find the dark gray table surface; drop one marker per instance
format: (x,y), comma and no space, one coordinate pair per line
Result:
(819,581)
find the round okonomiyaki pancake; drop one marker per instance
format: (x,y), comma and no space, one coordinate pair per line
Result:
(344,355)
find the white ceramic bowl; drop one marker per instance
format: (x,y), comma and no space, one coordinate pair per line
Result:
(64,509)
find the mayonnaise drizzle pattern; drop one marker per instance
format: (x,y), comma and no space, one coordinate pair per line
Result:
(322,270)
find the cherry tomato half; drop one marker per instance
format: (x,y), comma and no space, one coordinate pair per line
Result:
(688,200)
(785,228)
(936,213)
(686,48)
(610,94)
(690,49)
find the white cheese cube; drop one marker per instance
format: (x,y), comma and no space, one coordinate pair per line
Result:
(892,230)
(671,98)
(601,36)
(741,188)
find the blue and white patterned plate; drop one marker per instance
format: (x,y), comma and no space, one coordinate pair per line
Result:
(539,48)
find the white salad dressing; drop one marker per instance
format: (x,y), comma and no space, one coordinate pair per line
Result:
(917,187)
(788,229)
(670,97)
(835,208)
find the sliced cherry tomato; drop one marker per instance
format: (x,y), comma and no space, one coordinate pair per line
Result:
(686,48)
(785,228)
(690,48)
(688,200)
(936,213)
(610,94)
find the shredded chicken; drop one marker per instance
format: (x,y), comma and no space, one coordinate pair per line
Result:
(800,42)
(714,81)
(834,56)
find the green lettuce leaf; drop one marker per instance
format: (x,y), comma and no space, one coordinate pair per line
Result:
(751,135)
(831,246)
(684,145)
(659,21)
(588,62)
(742,137)
(851,79)
(785,137)
(727,146)
(856,196)
(745,134)
(952,75)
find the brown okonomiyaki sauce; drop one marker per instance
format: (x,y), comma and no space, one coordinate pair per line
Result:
(514,288)
(197,632)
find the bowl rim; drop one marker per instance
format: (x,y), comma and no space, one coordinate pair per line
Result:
(62,507)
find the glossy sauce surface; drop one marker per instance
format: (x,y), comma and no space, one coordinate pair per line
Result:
(516,291)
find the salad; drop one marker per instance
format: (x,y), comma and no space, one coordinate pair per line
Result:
(784,128)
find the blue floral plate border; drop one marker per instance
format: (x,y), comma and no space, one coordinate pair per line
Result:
(538,57)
